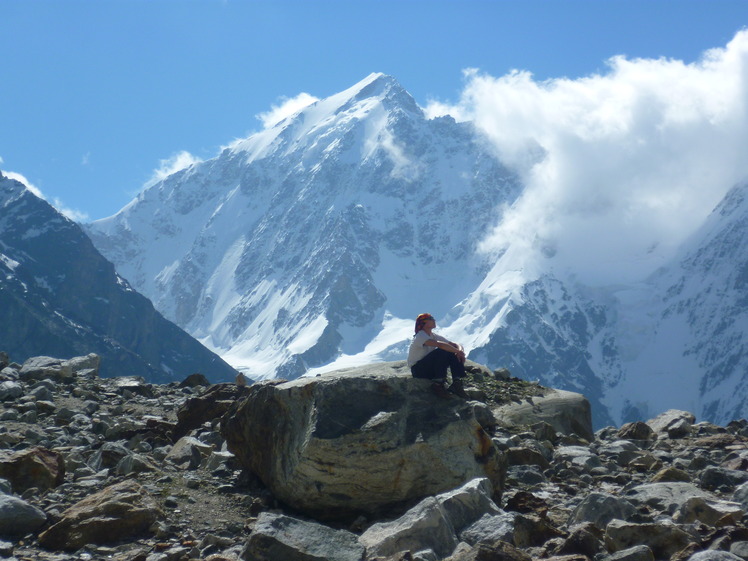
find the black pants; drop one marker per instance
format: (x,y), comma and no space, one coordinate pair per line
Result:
(434,366)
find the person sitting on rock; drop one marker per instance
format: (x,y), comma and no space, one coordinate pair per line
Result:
(430,355)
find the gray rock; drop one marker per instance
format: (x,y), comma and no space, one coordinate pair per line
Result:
(44,367)
(601,508)
(279,537)
(109,455)
(10,390)
(88,364)
(133,385)
(217,460)
(579,456)
(41,393)
(665,496)
(673,423)
(714,556)
(714,477)
(134,463)
(663,538)
(18,518)
(620,451)
(490,527)
(522,455)
(567,412)
(740,549)
(388,437)
(64,414)
(187,453)
(467,503)
(709,512)
(525,475)
(90,407)
(741,496)
(636,553)
(9,415)
(425,526)
(636,431)
(433,523)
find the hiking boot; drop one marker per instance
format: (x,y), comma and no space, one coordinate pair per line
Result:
(458,389)
(439,389)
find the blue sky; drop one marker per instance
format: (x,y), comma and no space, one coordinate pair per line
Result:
(96,94)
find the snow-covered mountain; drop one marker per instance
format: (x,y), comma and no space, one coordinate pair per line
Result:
(308,240)
(691,350)
(314,243)
(60,297)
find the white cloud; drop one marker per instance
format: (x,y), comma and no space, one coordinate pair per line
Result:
(177,162)
(620,167)
(286,108)
(72,214)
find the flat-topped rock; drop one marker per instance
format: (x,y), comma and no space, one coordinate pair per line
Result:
(361,440)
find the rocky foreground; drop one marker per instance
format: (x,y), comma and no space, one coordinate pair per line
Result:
(119,469)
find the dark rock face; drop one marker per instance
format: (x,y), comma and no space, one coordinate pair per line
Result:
(60,297)
(131,490)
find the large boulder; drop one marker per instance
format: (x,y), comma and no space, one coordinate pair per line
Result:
(434,524)
(668,497)
(673,423)
(209,405)
(18,518)
(121,511)
(277,536)
(567,412)
(33,468)
(45,367)
(361,440)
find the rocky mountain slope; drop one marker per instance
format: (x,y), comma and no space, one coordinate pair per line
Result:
(60,297)
(121,469)
(312,245)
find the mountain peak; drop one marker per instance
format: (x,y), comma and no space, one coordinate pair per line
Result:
(11,189)
(376,91)
(377,86)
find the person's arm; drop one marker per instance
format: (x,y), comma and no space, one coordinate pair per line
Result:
(448,346)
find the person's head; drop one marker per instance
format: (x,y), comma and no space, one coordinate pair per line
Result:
(422,319)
